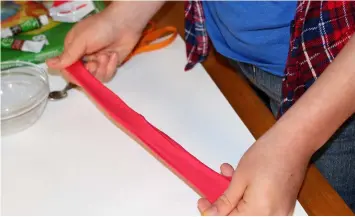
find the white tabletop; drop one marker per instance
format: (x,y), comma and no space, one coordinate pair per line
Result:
(74,161)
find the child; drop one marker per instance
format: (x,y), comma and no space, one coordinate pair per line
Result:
(282,48)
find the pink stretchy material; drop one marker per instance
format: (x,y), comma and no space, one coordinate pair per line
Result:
(206,181)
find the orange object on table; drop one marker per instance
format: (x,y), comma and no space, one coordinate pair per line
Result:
(152,39)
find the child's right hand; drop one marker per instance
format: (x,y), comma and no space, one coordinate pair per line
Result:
(104,40)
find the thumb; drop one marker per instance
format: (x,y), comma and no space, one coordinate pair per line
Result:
(72,52)
(227,202)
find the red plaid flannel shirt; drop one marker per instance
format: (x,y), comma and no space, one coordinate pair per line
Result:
(318,33)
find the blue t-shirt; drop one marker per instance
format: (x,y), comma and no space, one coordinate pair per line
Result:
(253,32)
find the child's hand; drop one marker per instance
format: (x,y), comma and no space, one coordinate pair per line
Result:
(105,39)
(102,44)
(266,182)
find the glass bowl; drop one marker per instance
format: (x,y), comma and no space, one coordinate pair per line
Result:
(24,95)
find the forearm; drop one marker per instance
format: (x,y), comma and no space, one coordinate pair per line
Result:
(324,107)
(135,14)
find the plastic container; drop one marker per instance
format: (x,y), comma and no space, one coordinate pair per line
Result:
(24,95)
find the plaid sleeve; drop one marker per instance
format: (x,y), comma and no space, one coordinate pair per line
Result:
(321,29)
(196,38)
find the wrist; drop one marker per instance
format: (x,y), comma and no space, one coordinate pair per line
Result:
(290,137)
(325,106)
(131,15)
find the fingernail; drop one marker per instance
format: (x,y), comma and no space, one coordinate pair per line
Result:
(211,211)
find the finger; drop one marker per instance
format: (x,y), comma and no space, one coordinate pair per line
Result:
(102,60)
(222,206)
(111,66)
(235,212)
(66,75)
(203,204)
(241,210)
(92,67)
(227,170)
(72,52)
(229,200)
(254,208)
(88,58)
(110,50)
(69,38)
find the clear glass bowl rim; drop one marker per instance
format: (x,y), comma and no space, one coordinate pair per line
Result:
(26,107)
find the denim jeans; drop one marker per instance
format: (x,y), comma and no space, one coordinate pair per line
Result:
(336,159)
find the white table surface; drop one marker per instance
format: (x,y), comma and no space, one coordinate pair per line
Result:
(74,161)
